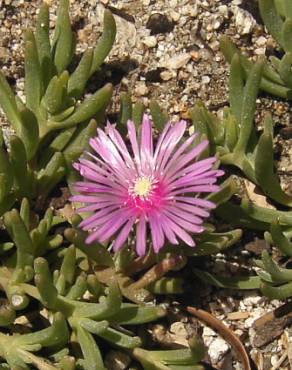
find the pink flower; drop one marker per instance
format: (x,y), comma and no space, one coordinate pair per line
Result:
(156,187)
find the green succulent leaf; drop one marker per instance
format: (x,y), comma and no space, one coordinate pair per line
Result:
(132,314)
(214,243)
(287,34)
(138,111)
(106,41)
(120,339)
(236,86)
(18,160)
(167,285)
(249,96)
(56,93)
(80,76)
(270,82)
(285,69)
(8,103)
(43,44)
(126,109)
(278,275)
(264,169)
(29,132)
(51,174)
(92,105)
(63,42)
(159,117)
(280,240)
(44,283)
(272,19)
(25,248)
(33,74)
(90,350)
(6,174)
(234,282)
(280,292)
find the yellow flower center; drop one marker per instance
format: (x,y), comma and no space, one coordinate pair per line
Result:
(142,186)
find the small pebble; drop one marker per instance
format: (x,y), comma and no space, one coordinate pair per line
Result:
(217,349)
(150,41)
(178,61)
(159,23)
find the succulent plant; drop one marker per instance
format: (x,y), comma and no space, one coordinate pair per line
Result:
(277,75)
(276,281)
(82,298)
(52,127)
(237,142)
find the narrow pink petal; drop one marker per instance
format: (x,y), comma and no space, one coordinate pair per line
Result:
(106,149)
(98,222)
(188,216)
(193,209)
(186,158)
(95,207)
(156,233)
(95,167)
(90,174)
(197,201)
(181,183)
(113,161)
(87,223)
(181,233)
(146,150)
(90,187)
(197,167)
(107,231)
(141,237)
(96,198)
(134,143)
(186,225)
(123,235)
(169,143)
(120,144)
(161,138)
(166,164)
(168,230)
(85,198)
(197,189)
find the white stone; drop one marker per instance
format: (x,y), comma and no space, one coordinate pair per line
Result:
(205,80)
(217,349)
(172,3)
(175,16)
(261,41)
(223,9)
(249,322)
(244,21)
(178,61)
(208,332)
(252,301)
(167,75)
(141,88)
(274,360)
(150,41)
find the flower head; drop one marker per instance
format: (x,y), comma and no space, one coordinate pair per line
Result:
(145,187)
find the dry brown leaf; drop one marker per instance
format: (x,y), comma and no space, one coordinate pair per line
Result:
(287,341)
(238,315)
(225,332)
(255,195)
(272,324)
